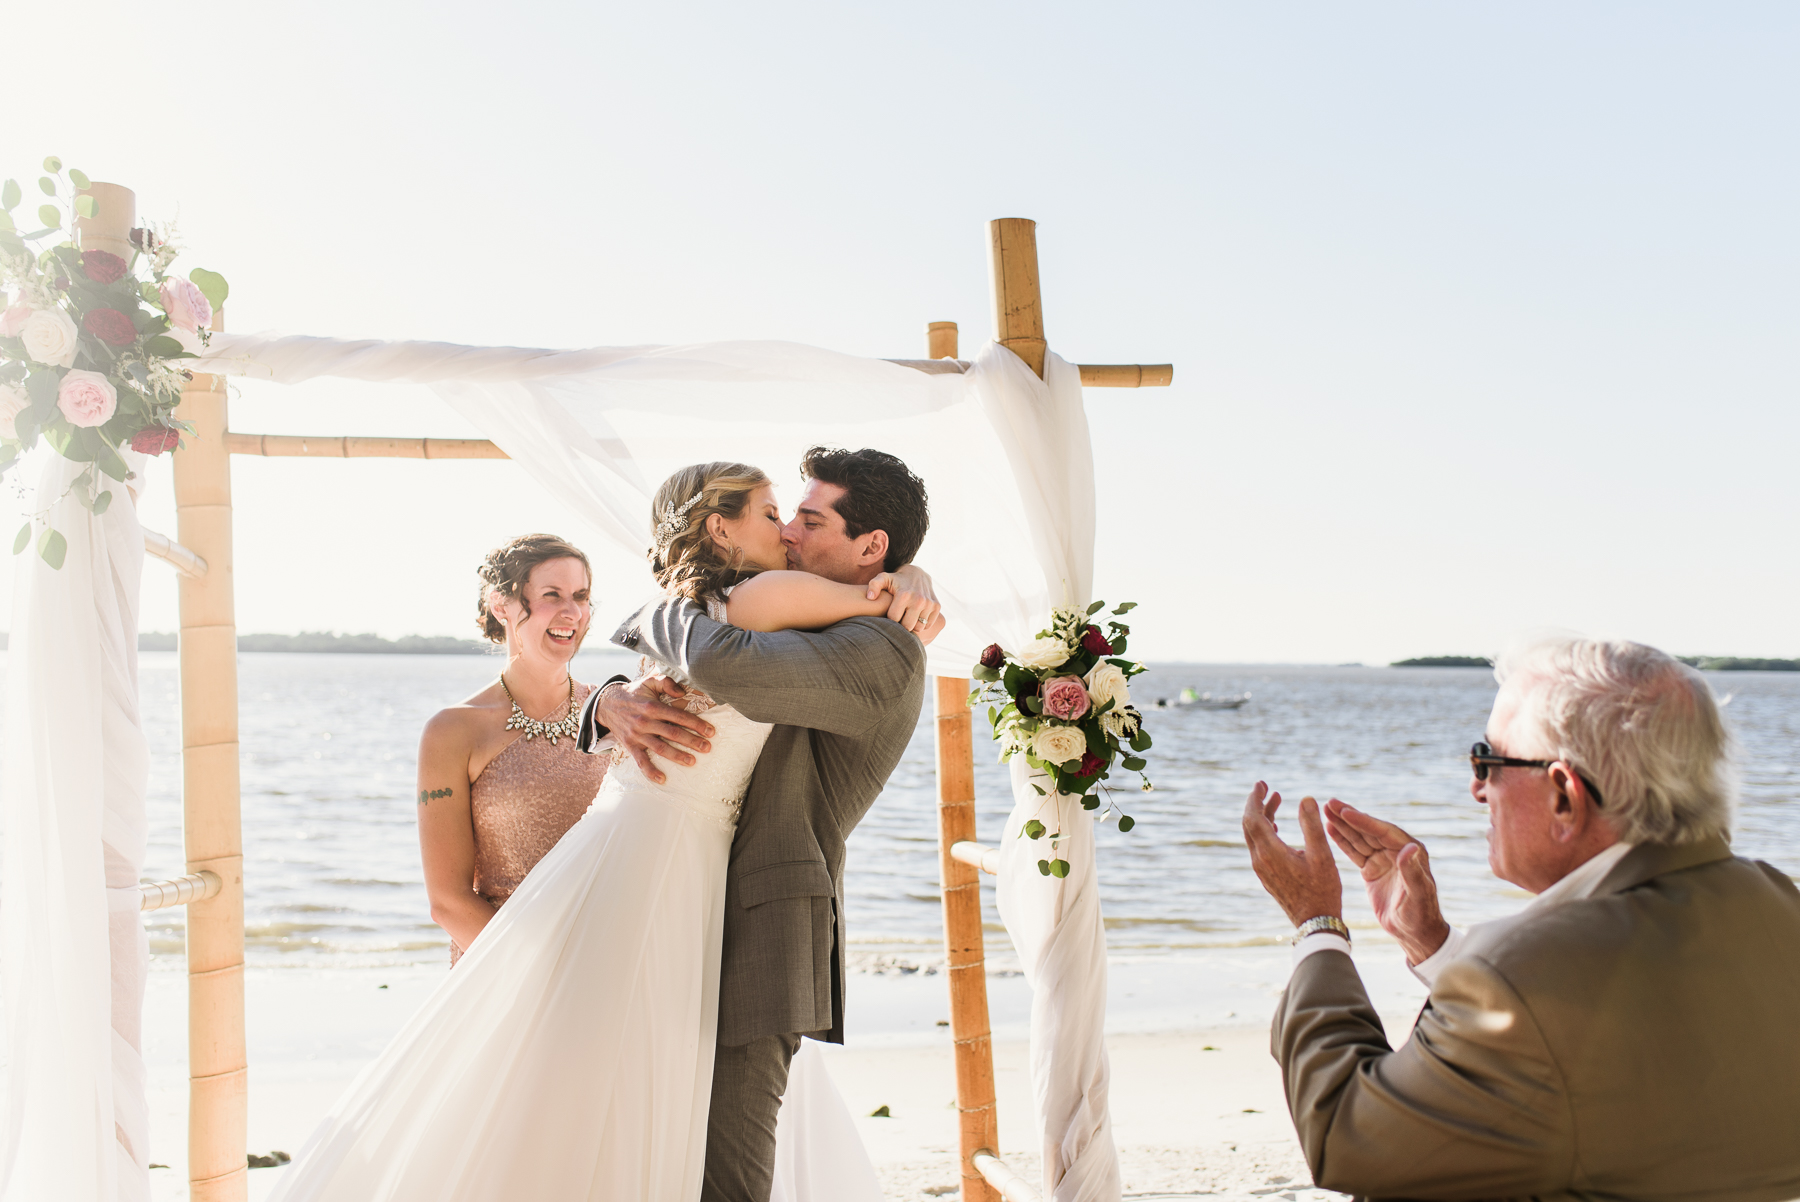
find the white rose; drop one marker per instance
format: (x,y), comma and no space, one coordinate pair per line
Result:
(49,337)
(1044,653)
(1058,744)
(1107,683)
(13,402)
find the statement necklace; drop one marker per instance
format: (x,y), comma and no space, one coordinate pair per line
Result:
(568,728)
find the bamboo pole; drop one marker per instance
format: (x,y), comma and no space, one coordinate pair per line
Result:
(940,340)
(1013,284)
(109,229)
(963,950)
(183,890)
(218,1074)
(338,446)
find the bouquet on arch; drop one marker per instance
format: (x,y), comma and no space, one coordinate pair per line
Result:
(1064,703)
(91,344)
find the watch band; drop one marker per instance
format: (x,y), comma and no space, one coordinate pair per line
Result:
(1323,922)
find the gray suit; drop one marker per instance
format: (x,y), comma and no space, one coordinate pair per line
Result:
(1642,1043)
(844,702)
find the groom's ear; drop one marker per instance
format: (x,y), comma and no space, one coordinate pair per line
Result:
(874,548)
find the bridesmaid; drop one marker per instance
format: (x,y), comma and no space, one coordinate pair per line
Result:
(500,778)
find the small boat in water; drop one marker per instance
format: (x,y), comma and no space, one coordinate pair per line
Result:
(1205,701)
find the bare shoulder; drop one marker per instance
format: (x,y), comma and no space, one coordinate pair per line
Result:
(464,724)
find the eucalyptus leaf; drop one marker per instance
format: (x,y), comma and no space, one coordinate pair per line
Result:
(110,461)
(86,206)
(1132,763)
(1034,829)
(9,194)
(1126,608)
(212,284)
(1126,822)
(50,216)
(983,672)
(1095,608)
(102,502)
(79,178)
(1044,867)
(1140,741)
(1059,869)
(24,539)
(46,185)
(163,347)
(6,222)
(53,164)
(52,546)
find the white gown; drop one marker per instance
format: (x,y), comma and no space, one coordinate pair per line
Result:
(569,1054)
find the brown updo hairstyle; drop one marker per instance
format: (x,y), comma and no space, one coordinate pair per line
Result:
(508,567)
(687,563)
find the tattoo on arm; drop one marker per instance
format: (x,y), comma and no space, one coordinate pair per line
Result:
(427,795)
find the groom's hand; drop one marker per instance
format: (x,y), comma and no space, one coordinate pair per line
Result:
(641,722)
(915,605)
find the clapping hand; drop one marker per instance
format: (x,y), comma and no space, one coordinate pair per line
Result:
(1396,870)
(1303,881)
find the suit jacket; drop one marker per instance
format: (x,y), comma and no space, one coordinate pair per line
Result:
(1643,1043)
(844,702)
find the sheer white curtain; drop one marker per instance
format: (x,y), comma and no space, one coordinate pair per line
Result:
(73,953)
(1009,466)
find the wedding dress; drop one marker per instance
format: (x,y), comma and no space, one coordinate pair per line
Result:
(569,1055)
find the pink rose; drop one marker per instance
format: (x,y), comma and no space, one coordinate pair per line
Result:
(86,398)
(185,304)
(13,320)
(1065,697)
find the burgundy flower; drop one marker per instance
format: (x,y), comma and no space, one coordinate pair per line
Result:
(154,440)
(1090,764)
(102,267)
(110,326)
(1028,689)
(62,283)
(993,657)
(1092,640)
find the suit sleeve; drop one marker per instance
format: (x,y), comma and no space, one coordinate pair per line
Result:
(843,679)
(1472,1106)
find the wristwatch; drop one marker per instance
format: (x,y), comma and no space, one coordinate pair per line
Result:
(1323,922)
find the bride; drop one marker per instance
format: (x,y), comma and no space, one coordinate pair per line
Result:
(570,1054)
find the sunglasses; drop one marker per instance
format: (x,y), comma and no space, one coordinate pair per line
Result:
(1482,757)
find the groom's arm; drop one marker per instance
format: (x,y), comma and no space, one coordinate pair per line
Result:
(843,679)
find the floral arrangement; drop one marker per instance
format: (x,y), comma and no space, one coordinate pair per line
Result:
(90,343)
(1063,702)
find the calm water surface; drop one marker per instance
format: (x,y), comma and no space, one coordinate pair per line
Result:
(332,862)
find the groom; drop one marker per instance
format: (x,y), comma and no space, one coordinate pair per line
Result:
(844,702)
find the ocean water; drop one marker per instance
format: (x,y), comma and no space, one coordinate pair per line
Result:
(332,874)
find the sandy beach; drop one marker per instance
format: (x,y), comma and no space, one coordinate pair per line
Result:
(1196,1100)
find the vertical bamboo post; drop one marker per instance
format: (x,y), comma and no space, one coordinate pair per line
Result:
(964,954)
(218,1076)
(1013,284)
(109,229)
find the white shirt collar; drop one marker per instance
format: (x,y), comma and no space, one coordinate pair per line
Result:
(1584,879)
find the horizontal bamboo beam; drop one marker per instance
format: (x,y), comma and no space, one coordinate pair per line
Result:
(338,446)
(196,886)
(1000,1175)
(1127,375)
(164,547)
(977,855)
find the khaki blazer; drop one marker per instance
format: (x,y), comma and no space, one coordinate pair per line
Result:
(1643,1043)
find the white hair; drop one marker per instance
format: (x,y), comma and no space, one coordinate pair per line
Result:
(1642,726)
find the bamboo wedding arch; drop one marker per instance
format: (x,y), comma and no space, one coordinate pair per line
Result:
(213,889)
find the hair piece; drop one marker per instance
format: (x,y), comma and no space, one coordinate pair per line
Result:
(880,493)
(506,570)
(682,554)
(1642,725)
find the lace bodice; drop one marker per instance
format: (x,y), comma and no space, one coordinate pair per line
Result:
(714,786)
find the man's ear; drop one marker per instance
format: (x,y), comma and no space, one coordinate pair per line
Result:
(874,549)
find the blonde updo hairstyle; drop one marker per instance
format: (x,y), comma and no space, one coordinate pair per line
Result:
(508,567)
(686,561)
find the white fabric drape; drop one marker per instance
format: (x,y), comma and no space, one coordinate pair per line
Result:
(73,952)
(1009,466)
(1056,926)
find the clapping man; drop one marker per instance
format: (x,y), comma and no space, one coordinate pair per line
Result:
(1631,1034)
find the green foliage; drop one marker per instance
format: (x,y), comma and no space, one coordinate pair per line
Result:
(52,546)
(86,206)
(24,538)
(51,216)
(9,195)
(1126,822)
(1033,829)
(79,178)
(46,185)
(212,285)
(52,164)
(1444,661)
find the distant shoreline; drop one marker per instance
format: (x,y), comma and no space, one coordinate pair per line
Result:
(1706,663)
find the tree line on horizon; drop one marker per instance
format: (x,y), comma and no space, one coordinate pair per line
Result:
(1706,663)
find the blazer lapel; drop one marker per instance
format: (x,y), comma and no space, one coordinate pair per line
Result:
(1648,861)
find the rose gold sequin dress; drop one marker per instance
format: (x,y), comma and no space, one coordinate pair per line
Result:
(526,799)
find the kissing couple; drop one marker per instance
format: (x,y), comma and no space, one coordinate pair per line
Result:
(623,1027)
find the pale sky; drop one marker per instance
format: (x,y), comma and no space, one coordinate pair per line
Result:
(1483,315)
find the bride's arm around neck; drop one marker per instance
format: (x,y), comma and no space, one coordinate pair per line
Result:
(789,600)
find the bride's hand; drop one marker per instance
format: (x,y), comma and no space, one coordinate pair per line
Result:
(915,604)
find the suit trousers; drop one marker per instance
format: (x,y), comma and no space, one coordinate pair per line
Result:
(747,1086)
